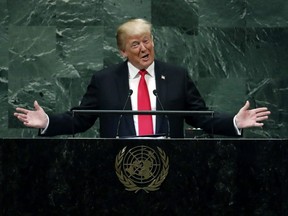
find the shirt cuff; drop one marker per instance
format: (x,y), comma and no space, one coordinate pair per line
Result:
(43,131)
(238,131)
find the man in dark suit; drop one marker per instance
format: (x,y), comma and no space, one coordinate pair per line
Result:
(111,89)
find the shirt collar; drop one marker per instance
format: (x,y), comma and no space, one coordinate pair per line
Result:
(133,71)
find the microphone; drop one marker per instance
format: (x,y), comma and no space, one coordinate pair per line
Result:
(130,92)
(167,119)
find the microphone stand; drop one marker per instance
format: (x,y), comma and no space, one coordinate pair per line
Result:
(166,117)
(124,107)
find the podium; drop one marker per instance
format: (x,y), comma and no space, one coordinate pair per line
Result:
(200,177)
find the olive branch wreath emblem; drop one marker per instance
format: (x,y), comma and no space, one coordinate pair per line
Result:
(153,185)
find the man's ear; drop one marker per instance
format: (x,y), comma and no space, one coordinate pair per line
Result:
(123,53)
(152,38)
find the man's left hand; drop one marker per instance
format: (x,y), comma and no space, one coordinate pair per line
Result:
(246,118)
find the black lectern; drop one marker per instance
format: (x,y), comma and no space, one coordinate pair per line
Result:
(200,177)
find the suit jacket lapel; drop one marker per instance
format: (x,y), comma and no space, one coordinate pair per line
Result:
(122,82)
(161,86)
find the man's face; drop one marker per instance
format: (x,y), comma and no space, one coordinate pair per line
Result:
(139,50)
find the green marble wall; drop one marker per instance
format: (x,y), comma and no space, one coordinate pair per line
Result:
(235,50)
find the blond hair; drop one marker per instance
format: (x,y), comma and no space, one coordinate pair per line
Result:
(131,27)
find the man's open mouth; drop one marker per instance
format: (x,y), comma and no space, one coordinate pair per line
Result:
(145,56)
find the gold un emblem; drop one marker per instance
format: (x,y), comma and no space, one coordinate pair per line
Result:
(141,168)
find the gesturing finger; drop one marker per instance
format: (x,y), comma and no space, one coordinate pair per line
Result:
(261,118)
(25,111)
(258,124)
(260,109)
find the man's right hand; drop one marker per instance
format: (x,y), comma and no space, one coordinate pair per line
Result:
(32,118)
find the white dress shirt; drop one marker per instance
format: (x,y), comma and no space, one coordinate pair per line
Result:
(134,78)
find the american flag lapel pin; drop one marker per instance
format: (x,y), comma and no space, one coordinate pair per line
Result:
(163,77)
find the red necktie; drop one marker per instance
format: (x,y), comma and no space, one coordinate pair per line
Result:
(144,121)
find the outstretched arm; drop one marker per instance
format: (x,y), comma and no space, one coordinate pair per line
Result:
(32,118)
(246,118)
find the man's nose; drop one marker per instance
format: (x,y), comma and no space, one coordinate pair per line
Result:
(142,46)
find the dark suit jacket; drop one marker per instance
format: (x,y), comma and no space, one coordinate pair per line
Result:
(108,90)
